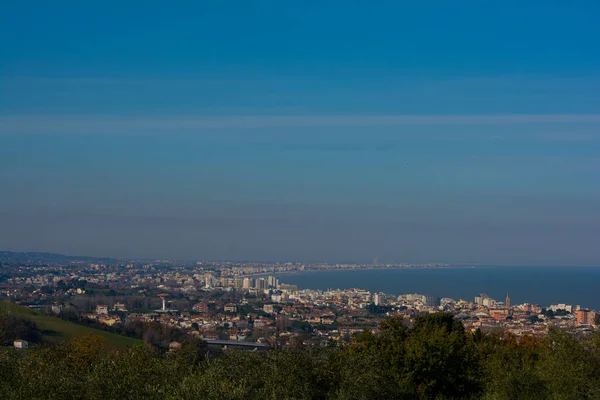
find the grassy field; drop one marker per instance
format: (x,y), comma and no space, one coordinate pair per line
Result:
(55,329)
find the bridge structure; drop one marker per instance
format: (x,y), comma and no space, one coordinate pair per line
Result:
(236,344)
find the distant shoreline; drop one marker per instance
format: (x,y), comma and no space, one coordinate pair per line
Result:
(536,285)
(357,269)
(417,268)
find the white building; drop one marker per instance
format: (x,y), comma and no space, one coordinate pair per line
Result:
(276,297)
(556,307)
(479,299)
(101,309)
(379,299)
(489,302)
(269,308)
(272,282)
(261,284)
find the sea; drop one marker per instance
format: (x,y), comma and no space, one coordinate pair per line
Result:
(535,285)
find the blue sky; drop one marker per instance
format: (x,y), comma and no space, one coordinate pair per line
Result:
(449,132)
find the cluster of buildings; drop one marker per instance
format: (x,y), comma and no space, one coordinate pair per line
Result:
(242,302)
(284,316)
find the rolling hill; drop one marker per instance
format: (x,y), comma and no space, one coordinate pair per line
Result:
(55,329)
(35,258)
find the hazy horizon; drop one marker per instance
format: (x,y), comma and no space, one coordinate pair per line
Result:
(450,134)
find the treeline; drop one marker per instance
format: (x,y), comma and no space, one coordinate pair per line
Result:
(434,359)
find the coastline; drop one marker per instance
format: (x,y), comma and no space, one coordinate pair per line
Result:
(534,285)
(353,269)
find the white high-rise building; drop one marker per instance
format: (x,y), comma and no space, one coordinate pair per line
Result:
(272,282)
(261,284)
(379,299)
(489,302)
(209,280)
(248,283)
(479,300)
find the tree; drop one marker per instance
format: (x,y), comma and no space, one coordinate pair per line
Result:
(568,369)
(13,327)
(439,360)
(83,351)
(432,358)
(509,367)
(302,326)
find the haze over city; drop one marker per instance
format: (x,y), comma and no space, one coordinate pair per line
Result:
(278,132)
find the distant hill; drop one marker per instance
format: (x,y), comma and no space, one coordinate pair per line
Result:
(55,329)
(34,257)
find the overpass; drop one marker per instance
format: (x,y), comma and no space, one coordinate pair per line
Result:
(235,344)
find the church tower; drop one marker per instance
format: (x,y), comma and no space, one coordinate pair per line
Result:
(507,302)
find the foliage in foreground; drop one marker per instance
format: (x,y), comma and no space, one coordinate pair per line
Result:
(434,359)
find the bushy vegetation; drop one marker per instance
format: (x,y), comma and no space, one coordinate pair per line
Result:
(13,327)
(434,359)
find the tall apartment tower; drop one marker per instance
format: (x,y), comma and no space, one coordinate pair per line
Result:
(260,283)
(272,282)
(248,283)
(378,299)
(585,316)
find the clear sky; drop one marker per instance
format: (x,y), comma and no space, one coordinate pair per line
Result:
(460,132)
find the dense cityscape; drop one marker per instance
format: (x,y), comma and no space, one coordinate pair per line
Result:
(219,330)
(244,303)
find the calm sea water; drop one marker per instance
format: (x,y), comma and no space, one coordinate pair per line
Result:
(538,285)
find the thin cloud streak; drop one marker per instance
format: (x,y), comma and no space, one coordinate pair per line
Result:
(80,124)
(496,80)
(106,81)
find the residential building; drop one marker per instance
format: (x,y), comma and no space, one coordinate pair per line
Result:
(585,316)
(248,283)
(21,344)
(431,301)
(230,308)
(201,308)
(101,309)
(379,299)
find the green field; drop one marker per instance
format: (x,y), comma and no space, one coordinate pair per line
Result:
(55,329)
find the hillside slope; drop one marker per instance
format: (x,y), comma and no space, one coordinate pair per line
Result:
(55,329)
